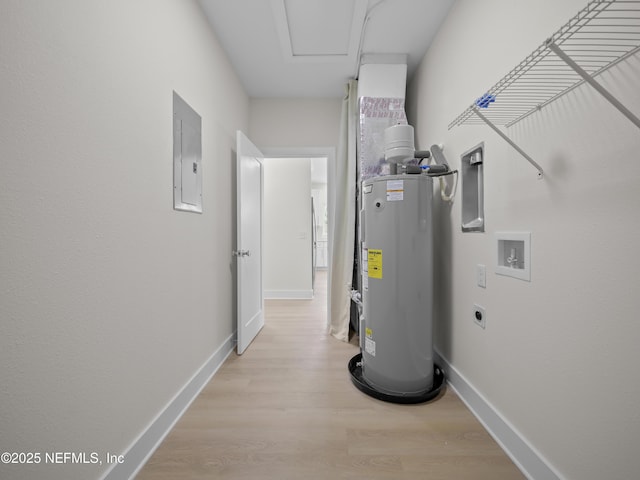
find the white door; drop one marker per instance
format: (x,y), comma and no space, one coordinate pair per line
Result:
(249,241)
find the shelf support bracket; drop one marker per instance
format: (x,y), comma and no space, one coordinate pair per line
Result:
(591,81)
(509,141)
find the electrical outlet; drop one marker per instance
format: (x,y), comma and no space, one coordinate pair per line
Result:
(479,315)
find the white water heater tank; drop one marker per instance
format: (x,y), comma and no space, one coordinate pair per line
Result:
(397,296)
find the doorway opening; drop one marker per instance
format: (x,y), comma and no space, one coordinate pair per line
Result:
(298,227)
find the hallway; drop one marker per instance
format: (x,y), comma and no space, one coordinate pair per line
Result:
(286,409)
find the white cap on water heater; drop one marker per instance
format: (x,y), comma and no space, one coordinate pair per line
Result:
(398,143)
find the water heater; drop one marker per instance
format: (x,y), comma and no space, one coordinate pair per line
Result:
(396,234)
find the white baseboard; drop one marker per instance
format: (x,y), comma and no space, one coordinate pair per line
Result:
(530,462)
(288,294)
(144,446)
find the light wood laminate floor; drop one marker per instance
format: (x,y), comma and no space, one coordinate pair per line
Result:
(286,409)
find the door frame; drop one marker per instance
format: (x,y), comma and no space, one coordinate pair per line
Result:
(314,152)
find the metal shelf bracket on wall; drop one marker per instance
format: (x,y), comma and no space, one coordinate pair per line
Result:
(599,36)
(509,141)
(591,81)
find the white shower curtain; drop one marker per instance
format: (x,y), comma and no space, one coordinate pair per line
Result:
(345,218)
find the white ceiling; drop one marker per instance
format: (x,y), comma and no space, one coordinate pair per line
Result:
(311,48)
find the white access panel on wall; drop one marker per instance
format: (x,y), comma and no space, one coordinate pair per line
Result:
(187,157)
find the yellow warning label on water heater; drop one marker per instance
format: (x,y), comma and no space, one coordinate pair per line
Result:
(375,263)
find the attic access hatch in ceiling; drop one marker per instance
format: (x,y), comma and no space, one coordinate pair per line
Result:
(320,30)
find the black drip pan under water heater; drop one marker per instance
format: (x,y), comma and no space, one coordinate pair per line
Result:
(355,369)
